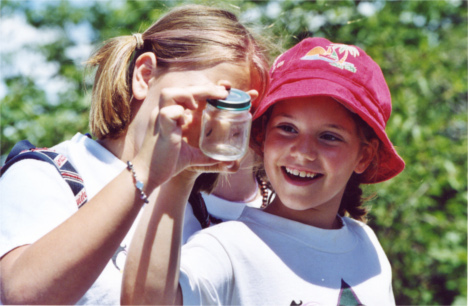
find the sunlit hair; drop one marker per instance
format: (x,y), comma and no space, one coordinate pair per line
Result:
(352,203)
(188,37)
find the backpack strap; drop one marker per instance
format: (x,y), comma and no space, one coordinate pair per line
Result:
(25,150)
(200,211)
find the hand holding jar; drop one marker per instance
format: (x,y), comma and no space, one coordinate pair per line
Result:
(226,126)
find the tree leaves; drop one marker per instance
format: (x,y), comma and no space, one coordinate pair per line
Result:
(421,46)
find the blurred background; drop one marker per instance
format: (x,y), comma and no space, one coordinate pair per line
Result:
(420,216)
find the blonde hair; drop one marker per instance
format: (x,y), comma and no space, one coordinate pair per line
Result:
(188,37)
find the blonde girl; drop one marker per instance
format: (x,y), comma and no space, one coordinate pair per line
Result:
(148,92)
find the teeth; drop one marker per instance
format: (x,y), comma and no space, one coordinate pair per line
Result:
(300,173)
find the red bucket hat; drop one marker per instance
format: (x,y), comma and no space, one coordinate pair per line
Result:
(318,67)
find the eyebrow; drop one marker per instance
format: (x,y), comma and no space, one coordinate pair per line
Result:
(328,125)
(336,126)
(284,115)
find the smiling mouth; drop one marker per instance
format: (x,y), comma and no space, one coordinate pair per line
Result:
(297,175)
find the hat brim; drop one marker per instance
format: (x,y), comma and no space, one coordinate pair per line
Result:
(389,162)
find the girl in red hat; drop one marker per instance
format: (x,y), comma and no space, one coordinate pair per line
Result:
(321,133)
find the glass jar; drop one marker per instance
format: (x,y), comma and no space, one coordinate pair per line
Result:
(226,125)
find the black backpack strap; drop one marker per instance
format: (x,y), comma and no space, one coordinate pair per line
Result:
(25,150)
(200,211)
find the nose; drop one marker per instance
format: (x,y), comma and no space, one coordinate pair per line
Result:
(305,147)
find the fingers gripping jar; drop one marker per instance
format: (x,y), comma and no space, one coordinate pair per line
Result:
(226,126)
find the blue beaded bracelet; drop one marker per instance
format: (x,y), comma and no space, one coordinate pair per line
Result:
(138,184)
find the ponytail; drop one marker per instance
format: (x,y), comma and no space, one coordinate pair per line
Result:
(111,115)
(188,37)
(352,200)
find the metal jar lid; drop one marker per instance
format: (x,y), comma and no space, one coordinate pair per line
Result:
(237,100)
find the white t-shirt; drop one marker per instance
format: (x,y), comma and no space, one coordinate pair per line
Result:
(263,259)
(35,199)
(218,208)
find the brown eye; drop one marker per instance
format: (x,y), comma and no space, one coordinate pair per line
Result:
(330,137)
(287,128)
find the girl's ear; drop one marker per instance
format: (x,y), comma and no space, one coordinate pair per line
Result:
(369,151)
(145,67)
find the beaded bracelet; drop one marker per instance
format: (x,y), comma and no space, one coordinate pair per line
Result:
(138,184)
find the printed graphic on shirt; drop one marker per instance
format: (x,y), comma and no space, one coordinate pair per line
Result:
(335,54)
(119,257)
(347,297)
(293,303)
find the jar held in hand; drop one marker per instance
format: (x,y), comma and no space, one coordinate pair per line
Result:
(226,126)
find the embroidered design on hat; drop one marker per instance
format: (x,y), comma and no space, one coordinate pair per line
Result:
(276,63)
(332,55)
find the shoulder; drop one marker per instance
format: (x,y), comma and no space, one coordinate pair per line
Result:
(34,200)
(231,237)
(31,181)
(27,173)
(77,142)
(96,165)
(362,231)
(224,230)
(357,226)
(219,238)
(36,177)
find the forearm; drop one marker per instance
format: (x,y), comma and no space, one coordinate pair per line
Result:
(61,266)
(151,272)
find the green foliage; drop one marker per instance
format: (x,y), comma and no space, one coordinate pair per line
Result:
(36,119)
(419,216)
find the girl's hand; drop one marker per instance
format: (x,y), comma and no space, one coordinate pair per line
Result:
(163,150)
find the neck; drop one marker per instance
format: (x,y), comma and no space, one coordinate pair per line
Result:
(126,146)
(121,147)
(316,217)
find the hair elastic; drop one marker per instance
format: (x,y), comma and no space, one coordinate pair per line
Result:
(139,40)
(138,184)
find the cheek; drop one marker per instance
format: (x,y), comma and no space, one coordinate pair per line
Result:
(268,164)
(343,160)
(333,155)
(275,144)
(271,153)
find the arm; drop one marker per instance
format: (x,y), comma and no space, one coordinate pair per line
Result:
(62,265)
(152,269)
